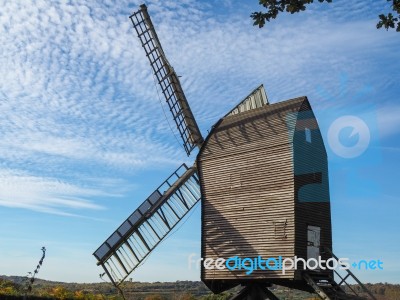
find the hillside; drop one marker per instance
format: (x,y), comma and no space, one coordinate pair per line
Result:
(13,287)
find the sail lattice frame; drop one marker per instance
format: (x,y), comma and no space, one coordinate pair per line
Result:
(148,225)
(168,80)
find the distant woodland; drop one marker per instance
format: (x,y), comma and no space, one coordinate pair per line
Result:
(14,288)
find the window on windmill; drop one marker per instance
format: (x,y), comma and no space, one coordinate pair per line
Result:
(307,132)
(236,180)
(280,229)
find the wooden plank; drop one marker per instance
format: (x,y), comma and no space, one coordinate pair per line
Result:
(247,173)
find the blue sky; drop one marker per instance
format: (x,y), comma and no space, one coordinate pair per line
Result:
(84,141)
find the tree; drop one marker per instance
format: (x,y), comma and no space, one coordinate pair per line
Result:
(187,296)
(31,276)
(79,295)
(154,297)
(222,296)
(389,21)
(8,287)
(8,290)
(274,7)
(60,292)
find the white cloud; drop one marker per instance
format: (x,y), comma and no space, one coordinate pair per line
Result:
(80,116)
(21,190)
(389,121)
(76,88)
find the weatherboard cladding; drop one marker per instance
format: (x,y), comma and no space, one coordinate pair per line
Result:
(246,168)
(312,203)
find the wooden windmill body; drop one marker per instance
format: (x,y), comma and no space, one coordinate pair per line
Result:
(264,185)
(262,177)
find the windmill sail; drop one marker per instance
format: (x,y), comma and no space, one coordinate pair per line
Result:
(168,80)
(148,225)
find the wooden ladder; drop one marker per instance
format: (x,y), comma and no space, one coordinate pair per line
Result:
(328,289)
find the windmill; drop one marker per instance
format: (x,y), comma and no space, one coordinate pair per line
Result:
(262,176)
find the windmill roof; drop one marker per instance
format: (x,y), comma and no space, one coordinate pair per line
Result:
(241,132)
(282,107)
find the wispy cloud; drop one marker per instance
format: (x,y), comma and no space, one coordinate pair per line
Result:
(81,121)
(77,96)
(389,121)
(21,190)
